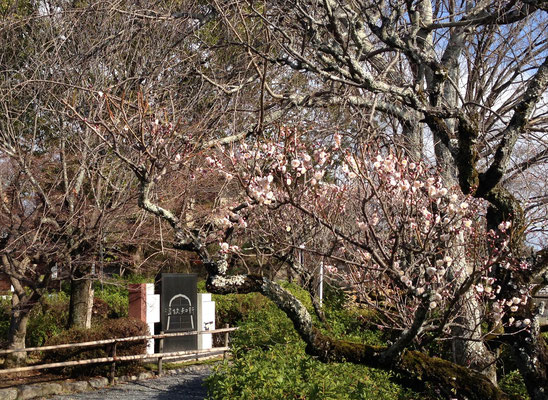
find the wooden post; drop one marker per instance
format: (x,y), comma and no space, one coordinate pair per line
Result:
(226,342)
(113,365)
(160,350)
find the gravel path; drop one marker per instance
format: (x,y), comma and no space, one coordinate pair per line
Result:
(185,386)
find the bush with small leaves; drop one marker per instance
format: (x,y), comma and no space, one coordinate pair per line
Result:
(108,329)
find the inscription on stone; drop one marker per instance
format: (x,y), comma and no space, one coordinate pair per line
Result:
(179,313)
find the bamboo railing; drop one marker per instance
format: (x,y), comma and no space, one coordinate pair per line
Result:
(113,358)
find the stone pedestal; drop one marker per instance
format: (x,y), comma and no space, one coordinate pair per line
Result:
(206,320)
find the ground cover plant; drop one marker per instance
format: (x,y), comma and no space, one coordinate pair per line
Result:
(269,359)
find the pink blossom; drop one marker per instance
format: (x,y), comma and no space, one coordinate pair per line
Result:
(503,226)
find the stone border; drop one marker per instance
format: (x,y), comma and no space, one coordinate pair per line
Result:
(24,392)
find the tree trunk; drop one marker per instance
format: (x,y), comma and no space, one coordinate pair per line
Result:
(81,303)
(17,334)
(468,348)
(471,351)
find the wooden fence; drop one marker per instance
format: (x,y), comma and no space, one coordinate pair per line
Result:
(113,358)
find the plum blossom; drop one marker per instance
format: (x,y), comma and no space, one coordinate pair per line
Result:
(224,246)
(318,175)
(437,297)
(504,225)
(330,269)
(321,157)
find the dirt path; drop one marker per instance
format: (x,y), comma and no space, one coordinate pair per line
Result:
(185,386)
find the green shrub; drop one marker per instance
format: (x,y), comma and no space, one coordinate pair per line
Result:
(116,296)
(47,319)
(513,384)
(108,329)
(114,292)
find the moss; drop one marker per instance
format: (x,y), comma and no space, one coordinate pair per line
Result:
(453,379)
(330,349)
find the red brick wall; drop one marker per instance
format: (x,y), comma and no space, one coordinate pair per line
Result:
(137,301)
